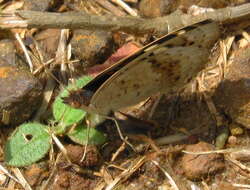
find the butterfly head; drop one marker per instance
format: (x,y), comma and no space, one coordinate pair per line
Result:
(78,98)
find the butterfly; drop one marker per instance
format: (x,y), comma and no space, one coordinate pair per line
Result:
(166,65)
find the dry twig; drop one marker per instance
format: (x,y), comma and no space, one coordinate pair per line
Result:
(109,6)
(21,179)
(135,25)
(171,180)
(136,164)
(125,7)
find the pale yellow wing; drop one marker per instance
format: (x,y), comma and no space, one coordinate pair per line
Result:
(165,65)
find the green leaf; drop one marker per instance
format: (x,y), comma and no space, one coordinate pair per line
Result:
(94,119)
(28,144)
(63,113)
(80,135)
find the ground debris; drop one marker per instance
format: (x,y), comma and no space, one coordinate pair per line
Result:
(196,167)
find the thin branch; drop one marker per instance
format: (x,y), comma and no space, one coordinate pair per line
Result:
(112,8)
(20,41)
(125,7)
(171,180)
(135,25)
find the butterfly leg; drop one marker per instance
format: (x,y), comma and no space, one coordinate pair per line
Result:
(120,133)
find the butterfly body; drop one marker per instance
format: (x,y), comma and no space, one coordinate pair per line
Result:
(164,65)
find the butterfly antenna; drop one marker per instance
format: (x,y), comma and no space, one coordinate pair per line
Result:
(86,145)
(58,81)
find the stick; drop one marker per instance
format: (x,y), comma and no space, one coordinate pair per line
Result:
(135,25)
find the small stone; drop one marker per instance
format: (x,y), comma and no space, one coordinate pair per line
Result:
(48,40)
(232,141)
(233,94)
(75,153)
(156,8)
(7,50)
(197,167)
(20,91)
(93,47)
(36,5)
(236,129)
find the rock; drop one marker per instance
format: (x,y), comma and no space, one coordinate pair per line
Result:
(48,41)
(93,47)
(197,167)
(233,94)
(37,5)
(75,153)
(7,50)
(20,91)
(236,129)
(232,141)
(156,8)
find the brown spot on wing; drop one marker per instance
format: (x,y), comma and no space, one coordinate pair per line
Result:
(122,82)
(168,68)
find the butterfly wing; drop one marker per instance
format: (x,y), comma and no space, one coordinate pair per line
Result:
(165,65)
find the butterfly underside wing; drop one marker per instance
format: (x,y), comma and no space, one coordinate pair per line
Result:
(165,65)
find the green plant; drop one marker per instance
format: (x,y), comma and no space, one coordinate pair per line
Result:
(32,141)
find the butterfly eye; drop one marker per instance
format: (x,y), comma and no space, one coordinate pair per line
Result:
(78,98)
(72,100)
(76,104)
(67,100)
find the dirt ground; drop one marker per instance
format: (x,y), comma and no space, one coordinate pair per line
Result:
(197,138)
